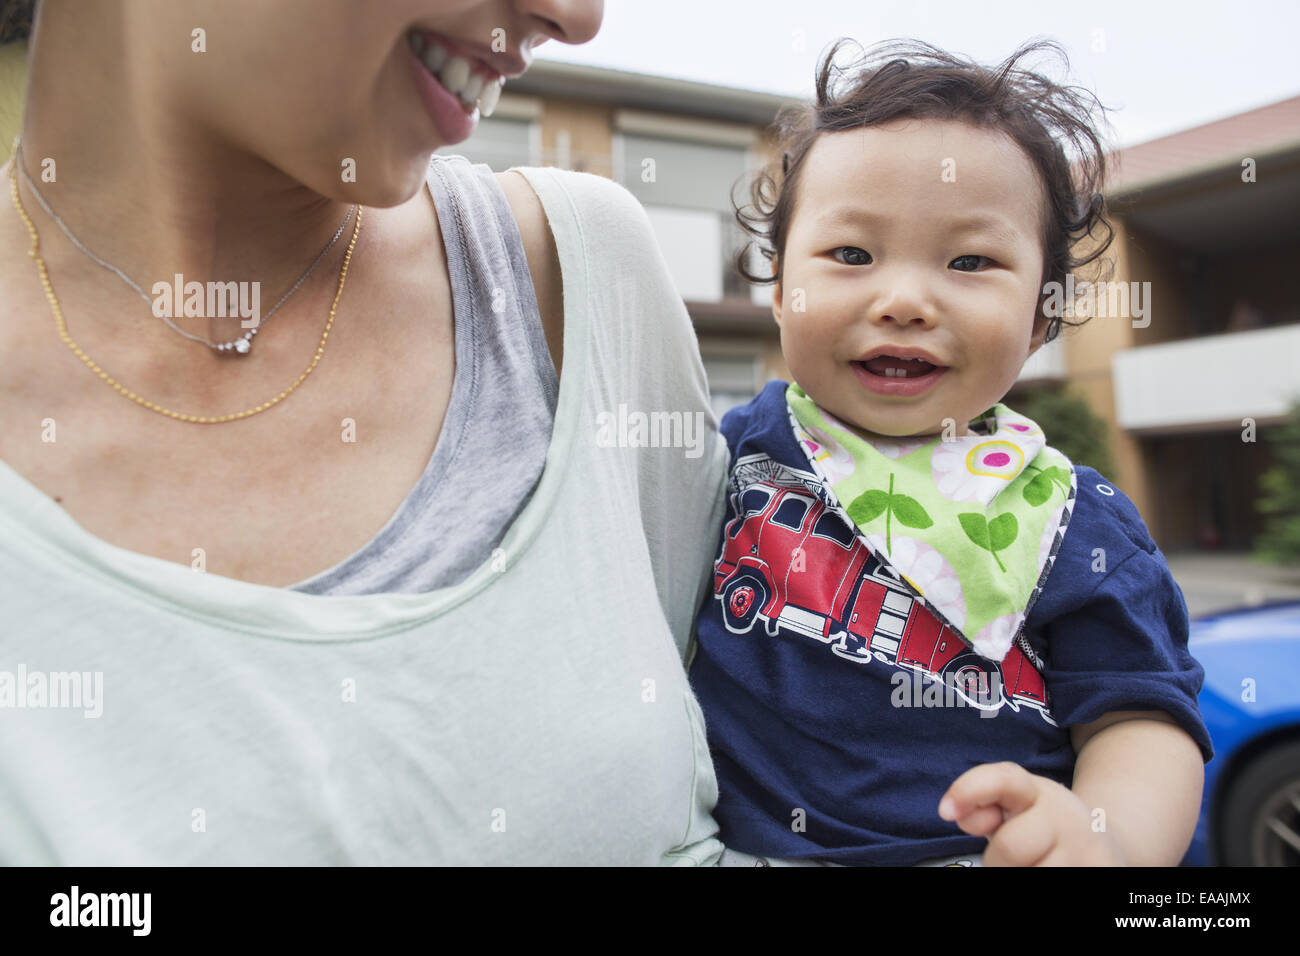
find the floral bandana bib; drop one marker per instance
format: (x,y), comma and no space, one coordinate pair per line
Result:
(972,524)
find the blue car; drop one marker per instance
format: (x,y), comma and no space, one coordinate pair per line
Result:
(1250,813)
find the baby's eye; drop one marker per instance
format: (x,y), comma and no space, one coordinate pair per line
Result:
(854,255)
(969,263)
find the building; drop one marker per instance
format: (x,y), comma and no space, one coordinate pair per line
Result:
(1207,226)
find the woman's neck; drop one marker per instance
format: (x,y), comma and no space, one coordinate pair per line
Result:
(143,182)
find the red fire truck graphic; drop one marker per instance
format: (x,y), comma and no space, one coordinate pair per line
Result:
(791,563)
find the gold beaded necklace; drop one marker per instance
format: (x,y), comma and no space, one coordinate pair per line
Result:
(34,252)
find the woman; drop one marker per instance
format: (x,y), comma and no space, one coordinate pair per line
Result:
(374,586)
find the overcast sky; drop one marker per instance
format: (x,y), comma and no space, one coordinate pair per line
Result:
(1165,66)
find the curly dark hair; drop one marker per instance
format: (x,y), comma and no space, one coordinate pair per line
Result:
(16,19)
(909,78)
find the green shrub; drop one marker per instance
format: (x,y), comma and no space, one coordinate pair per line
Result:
(1279,499)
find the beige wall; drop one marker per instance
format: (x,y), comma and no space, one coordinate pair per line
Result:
(1150,260)
(1089,349)
(591,132)
(13,85)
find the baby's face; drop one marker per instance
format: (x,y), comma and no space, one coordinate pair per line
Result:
(918,236)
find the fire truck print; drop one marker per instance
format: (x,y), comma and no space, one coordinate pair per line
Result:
(788,562)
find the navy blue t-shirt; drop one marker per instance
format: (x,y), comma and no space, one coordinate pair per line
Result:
(838,710)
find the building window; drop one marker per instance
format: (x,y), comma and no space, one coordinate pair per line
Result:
(691,241)
(683,174)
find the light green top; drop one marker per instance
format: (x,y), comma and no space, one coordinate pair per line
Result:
(536,713)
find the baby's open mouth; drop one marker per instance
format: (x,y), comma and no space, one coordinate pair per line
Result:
(887,366)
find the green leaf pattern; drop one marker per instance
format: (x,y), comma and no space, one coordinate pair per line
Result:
(1039,488)
(993,536)
(907,510)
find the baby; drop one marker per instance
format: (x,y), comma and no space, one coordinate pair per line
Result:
(932,639)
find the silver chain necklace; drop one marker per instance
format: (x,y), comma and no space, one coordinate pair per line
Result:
(239,346)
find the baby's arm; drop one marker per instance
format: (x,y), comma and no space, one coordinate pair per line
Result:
(1136,795)
(1145,773)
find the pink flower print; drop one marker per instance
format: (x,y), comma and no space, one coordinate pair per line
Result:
(970,469)
(1019,424)
(829,455)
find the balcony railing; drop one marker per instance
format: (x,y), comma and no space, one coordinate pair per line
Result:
(1212,381)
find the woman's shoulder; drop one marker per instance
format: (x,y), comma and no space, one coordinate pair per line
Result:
(543,258)
(607,218)
(597,228)
(592,196)
(597,216)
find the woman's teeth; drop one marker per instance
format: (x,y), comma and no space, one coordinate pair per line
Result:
(453,72)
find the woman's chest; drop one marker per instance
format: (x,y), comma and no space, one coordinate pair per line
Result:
(270,506)
(273,498)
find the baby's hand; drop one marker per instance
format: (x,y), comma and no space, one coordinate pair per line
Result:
(1029,820)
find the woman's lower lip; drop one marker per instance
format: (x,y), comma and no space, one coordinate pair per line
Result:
(453,123)
(903,387)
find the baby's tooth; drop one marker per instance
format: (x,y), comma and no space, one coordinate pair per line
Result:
(487,101)
(472,89)
(454,73)
(434,57)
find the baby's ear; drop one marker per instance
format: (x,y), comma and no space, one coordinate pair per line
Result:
(1039,335)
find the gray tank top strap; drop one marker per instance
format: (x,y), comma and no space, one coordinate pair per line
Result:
(490,453)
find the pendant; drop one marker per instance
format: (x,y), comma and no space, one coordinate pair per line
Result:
(240,346)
